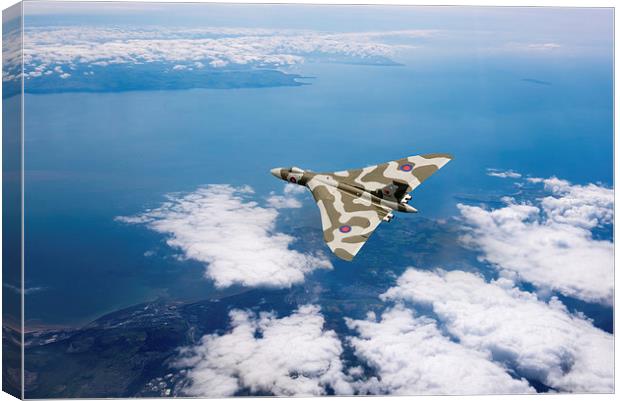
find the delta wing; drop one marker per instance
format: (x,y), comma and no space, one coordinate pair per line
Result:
(348,221)
(394,179)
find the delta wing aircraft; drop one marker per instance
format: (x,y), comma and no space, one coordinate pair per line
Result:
(354,202)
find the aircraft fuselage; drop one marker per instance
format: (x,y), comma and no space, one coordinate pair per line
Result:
(295,175)
(353,203)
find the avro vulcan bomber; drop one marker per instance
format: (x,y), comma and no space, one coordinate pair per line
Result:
(354,202)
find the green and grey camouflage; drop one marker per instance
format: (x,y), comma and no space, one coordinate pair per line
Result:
(354,202)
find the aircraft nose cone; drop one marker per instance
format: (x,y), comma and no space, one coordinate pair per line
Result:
(276,172)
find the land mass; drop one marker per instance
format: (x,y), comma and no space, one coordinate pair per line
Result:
(146,77)
(127,353)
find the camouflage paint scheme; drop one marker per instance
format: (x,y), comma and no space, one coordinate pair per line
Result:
(354,202)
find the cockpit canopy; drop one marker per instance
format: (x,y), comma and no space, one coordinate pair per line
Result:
(296,170)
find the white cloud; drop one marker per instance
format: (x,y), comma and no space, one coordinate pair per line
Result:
(283,202)
(289,356)
(550,244)
(235,237)
(217,63)
(411,356)
(294,189)
(542,341)
(184,47)
(584,206)
(11,54)
(502,174)
(288,200)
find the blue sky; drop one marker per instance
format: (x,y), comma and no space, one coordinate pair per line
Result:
(540,20)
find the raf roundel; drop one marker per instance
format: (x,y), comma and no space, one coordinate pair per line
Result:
(293,180)
(345,229)
(406,167)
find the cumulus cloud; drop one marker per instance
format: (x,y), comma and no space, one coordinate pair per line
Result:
(540,340)
(550,243)
(235,237)
(294,189)
(503,174)
(584,206)
(48,47)
(493,337)
(288,356)
(411,356)
(12,55)
(289,198)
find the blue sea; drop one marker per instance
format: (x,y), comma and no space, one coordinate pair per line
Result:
(91,157)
